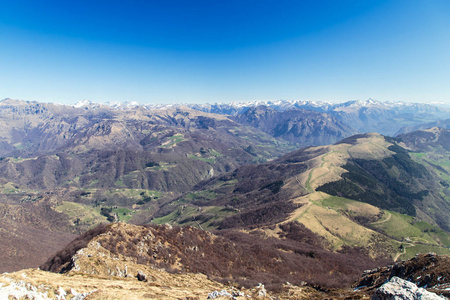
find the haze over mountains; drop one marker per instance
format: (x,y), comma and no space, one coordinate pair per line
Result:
(306,176)
(361,116)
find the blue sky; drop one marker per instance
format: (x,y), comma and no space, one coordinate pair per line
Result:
(219,51)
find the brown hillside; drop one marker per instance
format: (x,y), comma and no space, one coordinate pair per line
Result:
(296,256)
(44,146)
(28,234)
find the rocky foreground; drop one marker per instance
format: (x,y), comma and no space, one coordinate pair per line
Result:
(88,269)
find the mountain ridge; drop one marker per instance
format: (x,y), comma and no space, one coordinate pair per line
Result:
(322,187)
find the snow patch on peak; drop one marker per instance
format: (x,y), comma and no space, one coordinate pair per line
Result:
(122,105)
(84,103)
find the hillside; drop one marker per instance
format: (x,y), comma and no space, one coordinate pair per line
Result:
(231,256)
(439,123)
(365,191)
(29,233)
(304,127)
(433,140)
(121,261)
(47,146)
(430,147)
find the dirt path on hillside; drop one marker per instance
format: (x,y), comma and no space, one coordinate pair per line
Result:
(385,220)
(403,252)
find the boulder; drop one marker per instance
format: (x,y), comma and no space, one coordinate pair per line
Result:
(217,294)
(141,276)
(400,289)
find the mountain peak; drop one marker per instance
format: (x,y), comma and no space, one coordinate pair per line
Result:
(85,103)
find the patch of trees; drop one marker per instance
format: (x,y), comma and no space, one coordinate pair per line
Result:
(298,232)
(107,212)
(352,140)
(264,214)
(250,150)
(151,164)
(145,200)
(274,186)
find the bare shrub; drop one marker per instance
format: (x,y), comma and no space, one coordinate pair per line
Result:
(247,259)
(62,260)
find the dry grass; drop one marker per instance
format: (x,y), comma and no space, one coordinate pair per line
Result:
(327,167)
(334,222)
(161,286)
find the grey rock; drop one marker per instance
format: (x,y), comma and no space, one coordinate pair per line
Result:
(400,289)
(141,276)
(216,294)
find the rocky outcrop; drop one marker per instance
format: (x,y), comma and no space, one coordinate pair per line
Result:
(399,289)
(123,250)
(13,289)
(428,271)
(259,292)
(425,270)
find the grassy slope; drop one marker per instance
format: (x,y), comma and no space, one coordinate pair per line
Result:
(439,162)
(336,219)
(340,220)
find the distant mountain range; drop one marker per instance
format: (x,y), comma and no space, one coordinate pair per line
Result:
(335,120)
(360,116)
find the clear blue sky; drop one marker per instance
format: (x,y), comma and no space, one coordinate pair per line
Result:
(230,50)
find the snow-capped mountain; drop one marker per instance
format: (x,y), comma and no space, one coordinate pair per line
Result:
(360,115)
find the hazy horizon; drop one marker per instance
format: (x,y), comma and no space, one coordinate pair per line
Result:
(82,102)
(163,52)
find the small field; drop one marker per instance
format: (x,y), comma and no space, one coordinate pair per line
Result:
(204,218)
(80,215)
